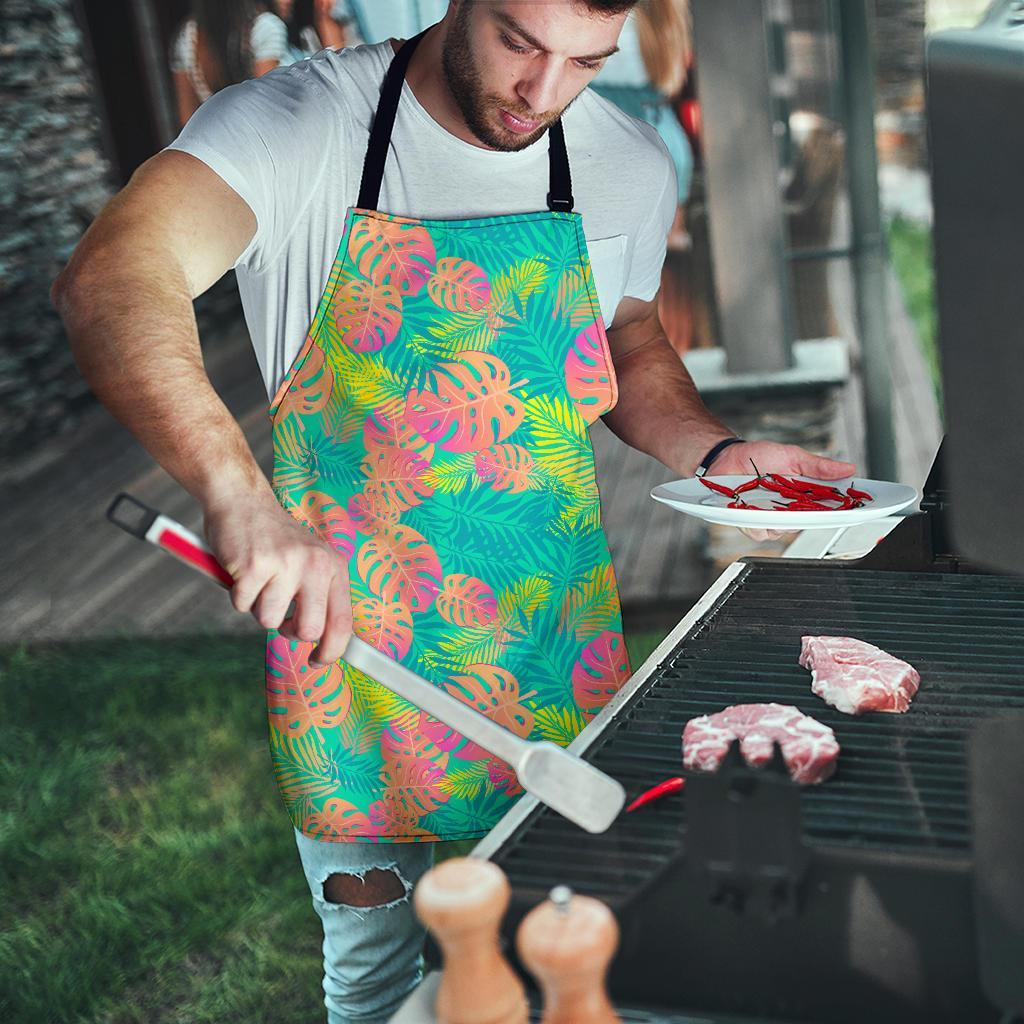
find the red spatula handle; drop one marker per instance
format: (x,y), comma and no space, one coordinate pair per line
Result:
(147,524)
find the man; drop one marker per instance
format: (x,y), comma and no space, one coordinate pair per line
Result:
(434,356)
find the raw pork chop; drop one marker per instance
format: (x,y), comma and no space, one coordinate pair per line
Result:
(855,677)
(808,747)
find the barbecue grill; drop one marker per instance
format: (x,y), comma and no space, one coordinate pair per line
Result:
(895,890)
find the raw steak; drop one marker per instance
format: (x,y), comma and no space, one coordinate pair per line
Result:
(808,747)
(855,677)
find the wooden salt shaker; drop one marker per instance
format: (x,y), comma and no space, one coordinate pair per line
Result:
(567,943)
(462,902)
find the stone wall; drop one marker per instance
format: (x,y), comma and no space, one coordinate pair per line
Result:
(54,178)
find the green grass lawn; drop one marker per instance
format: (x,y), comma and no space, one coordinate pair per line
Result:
(910,248)
(148,871)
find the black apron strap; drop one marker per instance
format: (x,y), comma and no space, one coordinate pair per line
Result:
(383,122)
(560,185)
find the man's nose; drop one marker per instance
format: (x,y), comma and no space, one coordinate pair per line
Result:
(539,89)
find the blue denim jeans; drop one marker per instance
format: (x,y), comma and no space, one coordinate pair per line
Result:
(373,956)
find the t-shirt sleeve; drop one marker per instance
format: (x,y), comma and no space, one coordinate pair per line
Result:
(652,238)
(269,38)
(268,139)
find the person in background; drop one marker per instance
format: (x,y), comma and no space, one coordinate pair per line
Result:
(648,73)
(221,43)
(314,25)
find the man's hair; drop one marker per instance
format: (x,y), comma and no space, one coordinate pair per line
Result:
(608,6)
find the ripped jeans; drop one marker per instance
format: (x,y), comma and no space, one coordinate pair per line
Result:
(372,954)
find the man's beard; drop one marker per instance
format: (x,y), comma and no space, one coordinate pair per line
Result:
(466,86)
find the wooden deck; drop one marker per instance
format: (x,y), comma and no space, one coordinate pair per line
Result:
(69,573)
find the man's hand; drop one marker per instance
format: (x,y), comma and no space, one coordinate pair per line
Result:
(771,457)
(274,560)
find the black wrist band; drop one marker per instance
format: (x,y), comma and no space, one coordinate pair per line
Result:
(705,463)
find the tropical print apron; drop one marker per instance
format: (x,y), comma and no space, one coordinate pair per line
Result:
(434,431)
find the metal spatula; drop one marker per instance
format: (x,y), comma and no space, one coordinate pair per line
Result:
(573,788)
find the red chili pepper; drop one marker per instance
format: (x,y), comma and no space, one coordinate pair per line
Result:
(719,488)
(809,487)
(657,792)
(862,495)
(806,505)
(750,485)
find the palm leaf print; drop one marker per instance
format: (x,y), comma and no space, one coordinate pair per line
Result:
(600,671)
(517,604)
(507,467)
(368,315)
(466,783)
(310,388)
(383,706)
(301,769)
(473,644)
(583,514)
(326,518)
(575,300)
(337,821)
(588,373)
(383,432)
(390,252)
(559,437)
(494,692)
(559,725)
(466,601)
(587,608)
(300,698)
(399,565)
(295,466)
(459,285)
(471,405)
(458,332)
(452,475)
(342,417)
(387,625)
(513,287)
(368,382)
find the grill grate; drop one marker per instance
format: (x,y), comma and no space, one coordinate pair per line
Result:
(901,785)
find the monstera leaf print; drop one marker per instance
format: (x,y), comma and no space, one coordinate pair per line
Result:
(329,520)
(588,373)
(392,252)
(471,405)
(588,607)
(384,432)
(372,511)
(399,565)
(466,601)
(599,672)
(368,315)
(503,777)
(452,742)
(339,820)
(459,286)
(507,467)
(393,817)
(310,388)
(413,772)
(494,692)
(386,625)
(300,697)
(399,476)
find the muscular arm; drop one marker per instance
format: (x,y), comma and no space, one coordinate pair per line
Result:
(126,301)
(659,410)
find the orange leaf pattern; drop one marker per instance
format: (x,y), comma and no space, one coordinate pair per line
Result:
(471,405)
(435,435)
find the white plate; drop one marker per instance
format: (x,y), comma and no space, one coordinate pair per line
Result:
(693,498)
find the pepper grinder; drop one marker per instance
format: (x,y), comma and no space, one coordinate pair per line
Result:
(462,902)
(567,943)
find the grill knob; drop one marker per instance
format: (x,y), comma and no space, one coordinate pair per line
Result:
(462,902)
(567,943)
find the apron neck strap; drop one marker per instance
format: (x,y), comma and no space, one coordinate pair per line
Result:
(560,186)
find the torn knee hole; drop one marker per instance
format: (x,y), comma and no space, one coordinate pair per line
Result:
(374,889)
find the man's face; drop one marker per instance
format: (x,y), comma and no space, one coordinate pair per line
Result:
(513,66)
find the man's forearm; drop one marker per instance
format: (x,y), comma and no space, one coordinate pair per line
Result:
(659,410)
(133,334)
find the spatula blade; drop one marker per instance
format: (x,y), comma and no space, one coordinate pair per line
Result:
(574,788)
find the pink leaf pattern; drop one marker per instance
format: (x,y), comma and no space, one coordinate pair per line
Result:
(503,776)
(300,697)
(506,466)
(587,374)
(383,432)
(471,405)
(386,625)
(328,519)
(371,510)
(398,475)
(368,315)
(494,692)
(389,252)
(466,601)
(459,286)
(399,565)
(600,671)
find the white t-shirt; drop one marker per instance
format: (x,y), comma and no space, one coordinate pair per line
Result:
(292,144)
